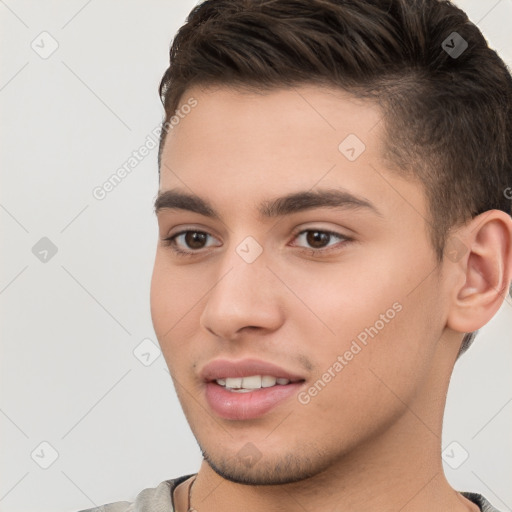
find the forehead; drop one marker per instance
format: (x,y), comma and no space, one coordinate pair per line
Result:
(281,118)
(244,144)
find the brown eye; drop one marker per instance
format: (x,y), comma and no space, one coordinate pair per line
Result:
(190,242)
(318,239)
(195,239)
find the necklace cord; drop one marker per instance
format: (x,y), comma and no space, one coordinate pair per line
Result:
(190,508)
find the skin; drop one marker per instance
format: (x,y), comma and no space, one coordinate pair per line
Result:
(371,439)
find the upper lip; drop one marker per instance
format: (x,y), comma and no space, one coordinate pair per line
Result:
(225,368)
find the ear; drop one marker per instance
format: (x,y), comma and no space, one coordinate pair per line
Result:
(480,257)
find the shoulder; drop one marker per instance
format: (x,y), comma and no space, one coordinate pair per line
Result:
(479,500)
(152,499)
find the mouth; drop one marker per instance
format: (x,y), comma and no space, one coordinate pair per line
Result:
(247,389)
(252,383)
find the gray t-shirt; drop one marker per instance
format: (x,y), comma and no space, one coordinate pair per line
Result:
(159,499)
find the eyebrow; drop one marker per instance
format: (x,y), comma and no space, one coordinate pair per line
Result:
(291,203)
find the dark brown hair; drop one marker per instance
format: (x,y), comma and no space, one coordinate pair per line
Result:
(447,107)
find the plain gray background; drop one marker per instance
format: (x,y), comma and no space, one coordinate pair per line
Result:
(75,398)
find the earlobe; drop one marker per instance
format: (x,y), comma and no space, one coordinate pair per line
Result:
(487,269)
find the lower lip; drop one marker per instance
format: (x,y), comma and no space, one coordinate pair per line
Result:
(232,405)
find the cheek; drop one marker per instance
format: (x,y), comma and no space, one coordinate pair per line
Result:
(360,373)
(173,298)
(368,312)
(345,297)
(160,299)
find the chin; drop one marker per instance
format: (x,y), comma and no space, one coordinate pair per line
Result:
(253,469)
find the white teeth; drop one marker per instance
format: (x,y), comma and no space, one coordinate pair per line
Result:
(234,382)
(252,382)
(244,384)
(268,381)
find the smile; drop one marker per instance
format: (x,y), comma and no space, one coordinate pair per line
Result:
(252,382)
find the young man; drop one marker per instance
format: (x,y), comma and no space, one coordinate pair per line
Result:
(334,220)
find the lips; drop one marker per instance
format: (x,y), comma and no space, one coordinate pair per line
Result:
(229,399)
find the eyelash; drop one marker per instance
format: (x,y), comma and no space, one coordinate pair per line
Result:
(171,242)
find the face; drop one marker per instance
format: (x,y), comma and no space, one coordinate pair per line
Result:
(287,249)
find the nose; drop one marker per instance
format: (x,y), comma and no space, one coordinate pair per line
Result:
(245,297)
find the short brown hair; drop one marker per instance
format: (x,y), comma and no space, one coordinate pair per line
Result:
(447,115)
